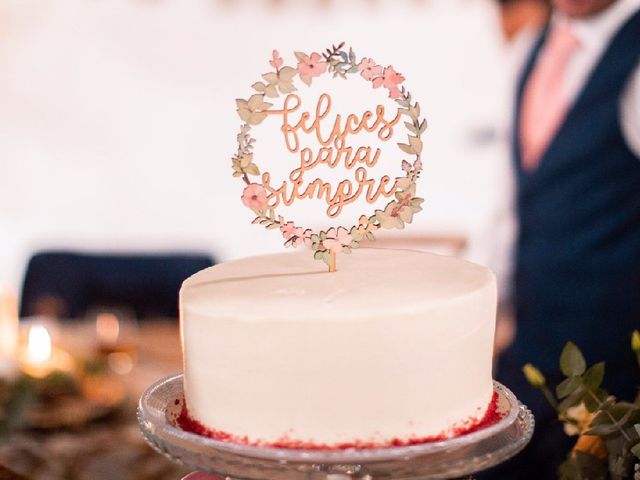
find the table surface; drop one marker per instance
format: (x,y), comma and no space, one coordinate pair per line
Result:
(112,448)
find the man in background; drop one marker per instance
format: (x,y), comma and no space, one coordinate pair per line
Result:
(576,153)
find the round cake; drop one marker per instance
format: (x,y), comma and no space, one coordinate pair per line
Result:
(394,348)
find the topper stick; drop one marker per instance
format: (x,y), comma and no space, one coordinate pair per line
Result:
(332,263)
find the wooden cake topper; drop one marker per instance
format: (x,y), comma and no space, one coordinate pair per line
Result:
(263,197)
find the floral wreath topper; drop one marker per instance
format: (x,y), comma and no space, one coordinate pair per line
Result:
(263,198)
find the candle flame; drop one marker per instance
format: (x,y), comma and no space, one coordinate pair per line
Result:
(107,327)
(39,346)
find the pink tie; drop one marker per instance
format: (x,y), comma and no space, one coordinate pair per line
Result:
(544,103)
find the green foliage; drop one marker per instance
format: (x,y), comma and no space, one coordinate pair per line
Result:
(595,399)
(568,386)
(584,466)
(572,361)
(14,400)
(635,341)
(594,376)
(588,410)
(591,467)
(635,344)
(534,376)
(18,396)
(636,450)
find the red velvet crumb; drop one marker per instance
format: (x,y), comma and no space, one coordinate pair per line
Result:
(491,417)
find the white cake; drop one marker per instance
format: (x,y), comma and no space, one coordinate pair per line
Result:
(394,348)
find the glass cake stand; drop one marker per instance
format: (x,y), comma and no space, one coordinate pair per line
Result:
(459,457)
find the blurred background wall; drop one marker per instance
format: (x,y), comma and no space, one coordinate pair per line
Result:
(117,118)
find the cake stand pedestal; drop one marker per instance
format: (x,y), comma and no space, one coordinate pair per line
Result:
(457,458)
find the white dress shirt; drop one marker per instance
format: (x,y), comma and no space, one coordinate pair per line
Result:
(595,34)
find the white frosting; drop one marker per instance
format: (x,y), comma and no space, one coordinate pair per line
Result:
(395,344)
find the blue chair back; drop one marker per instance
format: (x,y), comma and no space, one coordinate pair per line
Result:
(67,284)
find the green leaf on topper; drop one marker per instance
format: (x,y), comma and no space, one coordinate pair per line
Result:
(416,144)
(608,430)
(270,90)
(244,165)
(280,81)
(406,148)
(254,110)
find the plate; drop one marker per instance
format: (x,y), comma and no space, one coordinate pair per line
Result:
(457,457)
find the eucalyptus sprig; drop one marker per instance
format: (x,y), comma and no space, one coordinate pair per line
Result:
(242,162)
(268,219)
(608,446)
(333,51)
(342,63)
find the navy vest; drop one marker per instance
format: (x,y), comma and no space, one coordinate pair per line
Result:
(578,249)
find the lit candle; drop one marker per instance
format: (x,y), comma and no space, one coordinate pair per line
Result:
(40,358)
(36,360)
(107,328)
(8,333)
(119,354)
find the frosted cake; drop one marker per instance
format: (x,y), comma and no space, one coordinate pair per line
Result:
(394,348)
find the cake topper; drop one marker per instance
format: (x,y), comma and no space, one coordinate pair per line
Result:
(263,196)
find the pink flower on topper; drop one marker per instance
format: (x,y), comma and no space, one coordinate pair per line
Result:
(302,237)
(369,69)
(254,196)
(390,80)
(336,240)
(288,230)
(276,61)
(312,66)
(365,226)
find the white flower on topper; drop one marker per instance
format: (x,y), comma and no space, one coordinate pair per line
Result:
(263,198)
